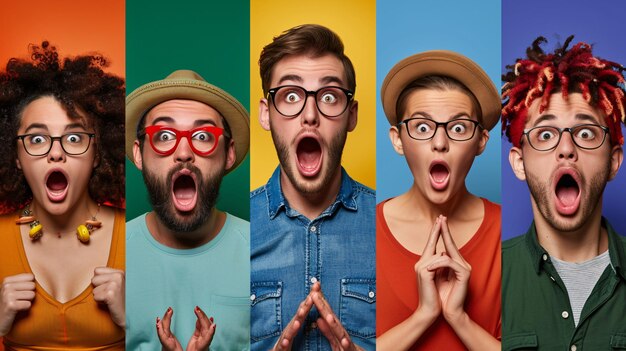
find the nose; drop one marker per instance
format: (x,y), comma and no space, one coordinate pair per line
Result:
(440,140)
(310,116)
(183,152)
(56,153)
(566,149)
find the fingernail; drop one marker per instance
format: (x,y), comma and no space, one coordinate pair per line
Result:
(197,308)
(211,319)
(169,309)
(157,320)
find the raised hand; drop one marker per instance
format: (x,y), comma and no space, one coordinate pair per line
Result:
(204,332)
(329,325)
(167,339)
(16,294)
(285,341)
(452,275)
(199,340)
(109,288)
(429,301)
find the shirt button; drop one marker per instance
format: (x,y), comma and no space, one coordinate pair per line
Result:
(252,297)
(545,257)
(573,348)
(564,314)
(313,229)
(371,294)
(551,277)
(313,280)
(313,325)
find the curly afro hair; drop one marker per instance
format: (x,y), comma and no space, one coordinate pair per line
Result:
(78,84)
(541,74)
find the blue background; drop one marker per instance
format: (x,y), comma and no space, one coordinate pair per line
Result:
(599,23)
(404,28)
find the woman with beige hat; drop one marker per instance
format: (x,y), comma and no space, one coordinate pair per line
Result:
(438,245)
(61,169)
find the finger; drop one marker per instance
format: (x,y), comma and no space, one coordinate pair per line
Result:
(317,286)
(328,334)
(167,320)
(290,332)
(106,270)
(20,286)
(448,241)
(327,313)
(23,295)
(446,262)
(433,238)
(117,276)
(209,337)
(204,321)
(160,331)
(23,277)
(21,305)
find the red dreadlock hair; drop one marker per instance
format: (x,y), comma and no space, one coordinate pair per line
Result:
(539,75)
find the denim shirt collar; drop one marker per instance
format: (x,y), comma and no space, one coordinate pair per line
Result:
(276,200)
(616,249)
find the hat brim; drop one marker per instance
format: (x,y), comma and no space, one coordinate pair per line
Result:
(140,101)
(442,63)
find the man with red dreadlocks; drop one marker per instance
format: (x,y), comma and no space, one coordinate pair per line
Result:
(564,281)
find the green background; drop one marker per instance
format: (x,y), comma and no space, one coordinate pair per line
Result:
(211,38)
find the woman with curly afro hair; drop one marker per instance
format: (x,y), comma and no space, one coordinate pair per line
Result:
(61,190)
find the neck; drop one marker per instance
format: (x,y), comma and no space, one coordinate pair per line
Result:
(66,222)
(455,207)
(578,245)
(186,240)
(311,205)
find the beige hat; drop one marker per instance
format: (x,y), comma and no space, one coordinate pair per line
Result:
(442,63)
(189,85)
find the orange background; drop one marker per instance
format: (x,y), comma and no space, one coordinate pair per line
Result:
(74,27)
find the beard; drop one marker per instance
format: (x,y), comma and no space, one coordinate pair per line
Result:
(160,194)
(328,168)
(542,194)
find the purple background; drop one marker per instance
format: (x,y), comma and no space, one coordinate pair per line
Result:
(600,23)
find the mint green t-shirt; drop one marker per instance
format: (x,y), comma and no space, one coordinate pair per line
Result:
(214,276)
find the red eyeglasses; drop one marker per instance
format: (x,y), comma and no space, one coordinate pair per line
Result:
(164,140)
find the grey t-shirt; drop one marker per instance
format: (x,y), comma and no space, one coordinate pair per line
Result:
(580,278)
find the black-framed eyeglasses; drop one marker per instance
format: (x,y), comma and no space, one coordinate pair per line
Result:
(331,101)
(75,143)
(460,129)
(585,136)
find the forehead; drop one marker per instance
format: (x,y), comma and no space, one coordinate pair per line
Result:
(440,104)
(568,111)
(179,112)
(48,111)
(306,69)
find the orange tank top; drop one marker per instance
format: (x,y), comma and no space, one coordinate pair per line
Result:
(78,324)
(396,282)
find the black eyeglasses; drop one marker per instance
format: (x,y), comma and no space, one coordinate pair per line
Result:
(74,144)
(585,136)
(419,128)
(289,100)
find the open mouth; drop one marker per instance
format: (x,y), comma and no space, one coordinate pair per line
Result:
(184,190)
(309,156)
(439,175)
(567,193)
(56,186)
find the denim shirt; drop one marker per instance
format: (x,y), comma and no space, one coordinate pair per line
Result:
(289,253)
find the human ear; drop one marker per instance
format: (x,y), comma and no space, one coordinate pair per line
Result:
(482,144)
(264,114)
(396,142)
(137,155)
(231,155)
(353,115)
(617,156)
(516,159)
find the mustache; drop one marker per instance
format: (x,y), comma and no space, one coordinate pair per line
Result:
(179,167)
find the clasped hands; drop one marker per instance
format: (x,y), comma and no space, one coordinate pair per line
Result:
(199,340)
(327,323)
(442,277)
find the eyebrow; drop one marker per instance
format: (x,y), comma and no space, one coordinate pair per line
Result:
(459,115)
(45,127)
(298,79)
(197,123)
(579,116)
